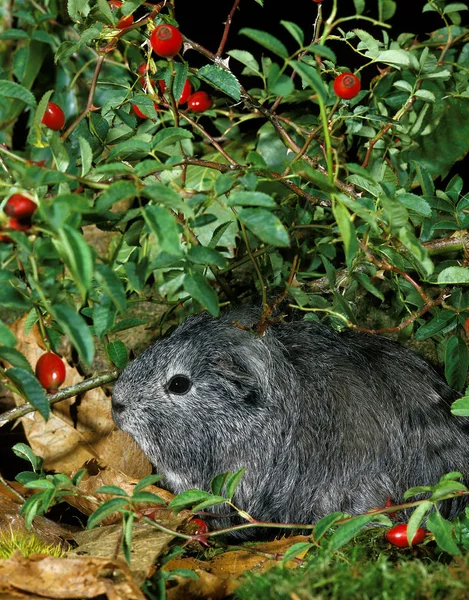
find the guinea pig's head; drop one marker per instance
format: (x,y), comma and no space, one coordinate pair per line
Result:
(204,386)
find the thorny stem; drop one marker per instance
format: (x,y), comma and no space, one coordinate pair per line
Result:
(84,181)
(226,31)
(383,264)
(210,138)
(408,105)
(89,102)
(68,392)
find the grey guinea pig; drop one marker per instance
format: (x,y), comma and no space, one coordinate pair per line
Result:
(323,421)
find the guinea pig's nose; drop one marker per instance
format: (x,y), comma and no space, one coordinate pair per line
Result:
(117,407)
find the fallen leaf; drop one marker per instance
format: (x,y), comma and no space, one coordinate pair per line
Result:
(219,576)
(148,544)
(79,577)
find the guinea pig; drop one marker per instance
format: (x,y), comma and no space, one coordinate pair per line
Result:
(323,421)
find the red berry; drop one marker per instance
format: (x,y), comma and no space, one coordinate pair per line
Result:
(50,371)
(199,102)
(318,1)
(346,86)
(186,90)
(166,41)
(19,224)
(139,113)
(125,22)
(54,117)
(19,206)
(397,536)
(202,526)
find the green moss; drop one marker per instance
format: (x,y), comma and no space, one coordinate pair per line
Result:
(364,573)
(26,543)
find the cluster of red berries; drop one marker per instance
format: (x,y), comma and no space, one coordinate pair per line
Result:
(20,209)
(50,371)
(166,41)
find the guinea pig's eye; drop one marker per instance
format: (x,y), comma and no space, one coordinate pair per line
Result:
(179,384)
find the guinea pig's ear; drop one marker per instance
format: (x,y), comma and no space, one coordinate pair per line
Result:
(240,378)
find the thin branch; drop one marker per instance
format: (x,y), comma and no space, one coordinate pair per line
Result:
(229,19)
(89,102)
(68,392)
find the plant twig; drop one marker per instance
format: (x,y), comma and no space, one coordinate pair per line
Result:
(68,392)
(229,19)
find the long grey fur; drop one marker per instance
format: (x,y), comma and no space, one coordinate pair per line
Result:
(323,421)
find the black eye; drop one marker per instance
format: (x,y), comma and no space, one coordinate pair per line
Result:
(179,384)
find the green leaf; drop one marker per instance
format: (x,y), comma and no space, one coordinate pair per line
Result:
(321,50)
(146,481)
(442,530)
(395,58)
(11,298)
(454,7)
(10,89)
(193,497)
(267,40)
(461,407)
(233,481)
(77,255)
(198,288)
(106,510)
(15,358)
(324,524)
(415,203)
(442,320)
(266,226)
(295,550)
(295,31)
(311,77)
(203,255)
(348,530)
(457,275)
(162,194)
(133,148)
(445,488)
(217,483)
(415,247)
(120,190)
(77,330)
(222,80)
(86,155)
(112,285)
(147,497)
(31,389)
(117,352)
(59,152)
(7,337)
(347,231)
(169,135)
(25,452)
(111,489)
(456,362)
(251,199)
(162,223)
(247,59)
(417,517)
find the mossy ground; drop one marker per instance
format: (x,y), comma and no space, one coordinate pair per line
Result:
(367,570)
(26,543)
